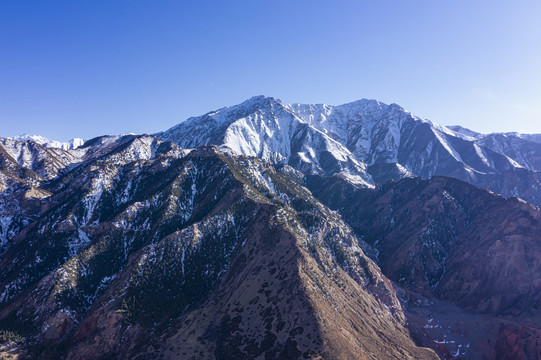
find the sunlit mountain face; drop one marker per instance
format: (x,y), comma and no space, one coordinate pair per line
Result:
(276,231)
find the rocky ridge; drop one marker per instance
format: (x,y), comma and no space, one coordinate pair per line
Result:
(195,252)
(284,240)
(368,143)
(64,145)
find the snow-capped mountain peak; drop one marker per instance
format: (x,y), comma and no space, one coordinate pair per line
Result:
(65,145)
(365,140)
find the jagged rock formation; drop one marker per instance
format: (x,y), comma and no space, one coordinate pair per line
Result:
(367,142)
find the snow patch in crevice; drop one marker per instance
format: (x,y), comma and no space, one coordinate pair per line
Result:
(447,146)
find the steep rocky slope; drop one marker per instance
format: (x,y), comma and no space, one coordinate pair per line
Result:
(26,167)
(195,252)
(366,142)
(136,247)
(525,149)
(445,239)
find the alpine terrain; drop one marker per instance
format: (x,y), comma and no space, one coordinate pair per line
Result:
(368,142)
(273,231)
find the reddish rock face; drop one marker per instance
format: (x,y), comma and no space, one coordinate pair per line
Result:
(448,240)
(518,342)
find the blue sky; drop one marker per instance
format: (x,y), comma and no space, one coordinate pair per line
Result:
(87,68)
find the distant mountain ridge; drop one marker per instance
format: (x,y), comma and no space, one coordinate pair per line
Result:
(462,130)
(367,142)
(64,145)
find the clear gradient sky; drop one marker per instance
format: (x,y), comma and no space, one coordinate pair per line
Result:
(89,67)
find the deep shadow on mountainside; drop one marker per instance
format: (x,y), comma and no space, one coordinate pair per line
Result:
(151,251)
(145,249)
(447,242)
(267,230)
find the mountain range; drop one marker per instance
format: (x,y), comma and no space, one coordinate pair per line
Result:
(276,231)
(67,145)
(368,143)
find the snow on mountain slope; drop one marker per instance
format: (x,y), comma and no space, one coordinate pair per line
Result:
(377,133)
(524,149)
(27,168)
(64,145)
(48,162)
(367,127)
(266,128)
(536,138)
(464,132)
(531,137)
(525,152)
(138,246)
(367,141)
